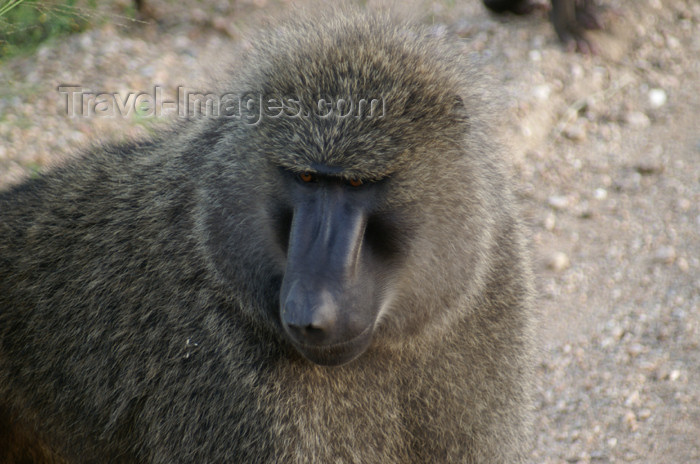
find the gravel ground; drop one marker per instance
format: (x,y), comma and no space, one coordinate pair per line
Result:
(607,152)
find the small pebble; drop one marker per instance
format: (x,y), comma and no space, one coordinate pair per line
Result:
(535,55)
(657,98)
(633,399)
(542,92)
(618,332)
(635,349)
(684,204)
(558,261)
(637,119)
(576,70)
(550,220)
(558,201)
(576,133)
(600,194)
(665,254)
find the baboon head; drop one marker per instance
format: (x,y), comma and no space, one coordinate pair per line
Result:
(347,195)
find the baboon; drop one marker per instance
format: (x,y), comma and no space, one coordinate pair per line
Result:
(570,18)
(341,279)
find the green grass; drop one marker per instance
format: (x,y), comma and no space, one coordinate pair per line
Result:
(24,24)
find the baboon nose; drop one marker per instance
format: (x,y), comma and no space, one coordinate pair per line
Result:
(309,317)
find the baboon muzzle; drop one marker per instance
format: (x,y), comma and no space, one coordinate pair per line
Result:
(326,301)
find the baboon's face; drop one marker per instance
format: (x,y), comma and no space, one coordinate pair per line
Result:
(327,223)
(339,249)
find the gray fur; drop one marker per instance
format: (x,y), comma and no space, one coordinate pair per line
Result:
(139,285)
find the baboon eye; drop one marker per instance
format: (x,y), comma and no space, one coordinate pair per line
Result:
(355,182)
(306,177)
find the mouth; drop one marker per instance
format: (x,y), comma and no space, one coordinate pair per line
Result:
(338,353)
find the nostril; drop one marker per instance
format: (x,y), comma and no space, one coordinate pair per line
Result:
(307,333)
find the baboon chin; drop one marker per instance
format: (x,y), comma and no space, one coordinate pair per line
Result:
(170,300)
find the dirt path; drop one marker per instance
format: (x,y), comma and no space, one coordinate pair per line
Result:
(607,150)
